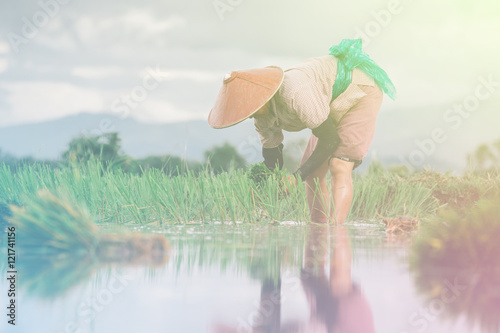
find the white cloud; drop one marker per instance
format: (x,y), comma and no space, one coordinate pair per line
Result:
(122,31)
(4,47)
(283,61)
(58,40)
(157,110)
(3,65)
(146,22)
(135,23)
(183,74)
(39,101)
(197,76)
(96,72)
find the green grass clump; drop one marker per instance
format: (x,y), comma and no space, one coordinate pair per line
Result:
(53,235)
(454,240)
(462,248)
(391,195)
(117,197)
(259,173)
(50,226)
(253,196)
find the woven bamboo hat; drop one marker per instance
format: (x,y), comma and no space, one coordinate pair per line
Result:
(243,93)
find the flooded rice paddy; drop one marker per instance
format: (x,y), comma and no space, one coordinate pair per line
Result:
(285,277)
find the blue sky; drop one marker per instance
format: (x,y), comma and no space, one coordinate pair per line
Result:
(62,57)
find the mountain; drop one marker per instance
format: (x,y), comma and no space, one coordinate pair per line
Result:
(47,140)
(402,137)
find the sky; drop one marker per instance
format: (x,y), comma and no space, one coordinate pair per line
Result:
(163,61)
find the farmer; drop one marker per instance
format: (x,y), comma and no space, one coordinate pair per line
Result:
(337,96)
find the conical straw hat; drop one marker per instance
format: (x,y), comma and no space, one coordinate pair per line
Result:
(243,93)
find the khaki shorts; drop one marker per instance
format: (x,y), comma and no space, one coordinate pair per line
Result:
(356,128)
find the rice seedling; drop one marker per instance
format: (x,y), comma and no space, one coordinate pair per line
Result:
(259,173)
(50,226)
(254,196)
(390,195)
(53,235)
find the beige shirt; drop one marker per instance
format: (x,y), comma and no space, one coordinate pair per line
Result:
(303,100)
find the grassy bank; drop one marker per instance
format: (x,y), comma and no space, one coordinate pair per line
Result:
(117,197)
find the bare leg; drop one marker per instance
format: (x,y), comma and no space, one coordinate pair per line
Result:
(342,191)
(318,196)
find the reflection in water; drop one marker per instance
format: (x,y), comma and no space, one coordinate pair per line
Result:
(335,302)
(273,278)
(270,307)
(459,292)
(53,276)
(456,265)
(49,277)
(59,246)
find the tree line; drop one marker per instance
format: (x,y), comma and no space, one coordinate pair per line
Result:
(107,149)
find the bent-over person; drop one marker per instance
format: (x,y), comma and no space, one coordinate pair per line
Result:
(337,96)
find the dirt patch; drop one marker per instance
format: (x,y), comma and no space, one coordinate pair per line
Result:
(400,225)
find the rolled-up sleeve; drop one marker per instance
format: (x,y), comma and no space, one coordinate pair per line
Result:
(270,134)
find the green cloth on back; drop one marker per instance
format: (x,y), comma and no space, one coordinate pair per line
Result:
(350,56)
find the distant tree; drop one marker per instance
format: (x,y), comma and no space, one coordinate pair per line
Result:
(485,158)
(106,148)
(5,157)
(224,158)
(171,165)
(496,146)
(16,163)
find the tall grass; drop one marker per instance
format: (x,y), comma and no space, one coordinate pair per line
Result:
(53,236)
(118,197)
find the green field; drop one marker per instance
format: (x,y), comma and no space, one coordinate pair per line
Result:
(113,196)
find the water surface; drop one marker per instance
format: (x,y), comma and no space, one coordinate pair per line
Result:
(246,278)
